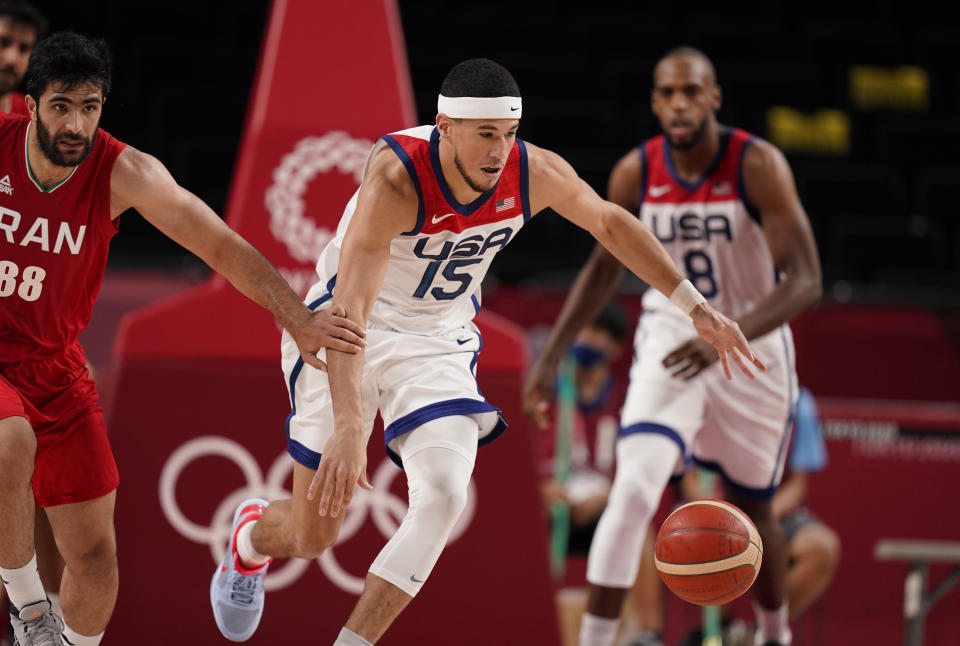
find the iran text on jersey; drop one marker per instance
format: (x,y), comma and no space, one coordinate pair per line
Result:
(53,244)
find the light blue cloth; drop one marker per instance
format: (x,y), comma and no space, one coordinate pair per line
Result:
(809,452)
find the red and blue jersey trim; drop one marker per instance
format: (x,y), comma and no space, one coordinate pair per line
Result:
(412,171)
(438,210)
(726,172)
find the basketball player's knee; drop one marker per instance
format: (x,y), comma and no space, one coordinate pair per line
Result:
(636,497)
(310,543)
(444,505)
(93,559)
(18,448)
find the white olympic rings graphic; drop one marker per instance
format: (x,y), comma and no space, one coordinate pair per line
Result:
(386,509)
(284,198)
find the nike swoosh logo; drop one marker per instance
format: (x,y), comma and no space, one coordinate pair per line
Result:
(441,218)
(514,109)
(415,579)
(4,581)
(659,191)
(462,341)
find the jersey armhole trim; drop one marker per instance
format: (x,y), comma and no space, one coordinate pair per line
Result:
(742,186)
(412,171)
(110,160)
(524,182)
(644,176)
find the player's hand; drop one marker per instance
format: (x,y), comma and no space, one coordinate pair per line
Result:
(342,467)
(725,336)
(328,328)
(691,358)
(553,492)
(538,393)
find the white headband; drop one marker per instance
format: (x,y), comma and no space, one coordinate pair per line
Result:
(474,107)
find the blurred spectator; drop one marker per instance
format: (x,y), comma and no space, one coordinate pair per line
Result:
(21,26)
(594,429)
(599,396)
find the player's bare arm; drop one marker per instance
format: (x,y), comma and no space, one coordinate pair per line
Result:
(386,207)
(140,181)
(771,188)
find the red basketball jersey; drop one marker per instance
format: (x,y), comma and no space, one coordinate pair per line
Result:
(53,245)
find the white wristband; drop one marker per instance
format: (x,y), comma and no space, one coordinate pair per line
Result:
(686,296)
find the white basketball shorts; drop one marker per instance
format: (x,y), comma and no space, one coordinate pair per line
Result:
(739,428)
(410,379)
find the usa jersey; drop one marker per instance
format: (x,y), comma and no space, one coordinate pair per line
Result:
(53,245)
(434,273)
(709,228)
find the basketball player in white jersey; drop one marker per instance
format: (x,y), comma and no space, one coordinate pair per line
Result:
(434,207)
(724,205)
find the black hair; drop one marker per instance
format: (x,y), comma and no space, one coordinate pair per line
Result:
(612,320)
(479,77)
(691,52)
(70,60)
(20,12)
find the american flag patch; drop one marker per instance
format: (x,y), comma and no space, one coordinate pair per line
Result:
(721,188)
(503,205)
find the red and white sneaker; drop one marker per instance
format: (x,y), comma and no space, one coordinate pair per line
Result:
(236,591)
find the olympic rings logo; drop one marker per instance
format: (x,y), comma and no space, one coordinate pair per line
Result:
(284,198)
(385,509)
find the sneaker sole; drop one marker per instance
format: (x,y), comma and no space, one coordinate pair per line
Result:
(213,605)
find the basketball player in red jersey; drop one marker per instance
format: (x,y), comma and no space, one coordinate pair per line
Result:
(21,26)
(63,184)
(435,205)
(724,205)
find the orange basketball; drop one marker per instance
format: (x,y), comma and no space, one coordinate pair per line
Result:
(708,552)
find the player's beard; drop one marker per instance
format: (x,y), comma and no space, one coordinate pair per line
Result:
(48,145)
(694,140)
(463,173)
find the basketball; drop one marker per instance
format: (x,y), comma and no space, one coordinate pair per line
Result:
(708,552)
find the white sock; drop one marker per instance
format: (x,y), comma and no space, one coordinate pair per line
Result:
(772,625)
(598,631)
(55,603)
(349,638)
(74,638)
(248,555)
(23,584)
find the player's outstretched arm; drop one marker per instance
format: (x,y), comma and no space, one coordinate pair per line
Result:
(142,182)
(554,184)
(386,207)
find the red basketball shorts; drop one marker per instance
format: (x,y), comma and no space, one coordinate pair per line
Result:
(74,462)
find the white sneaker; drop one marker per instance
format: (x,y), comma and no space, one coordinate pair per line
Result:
(37,625)
(236,592)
